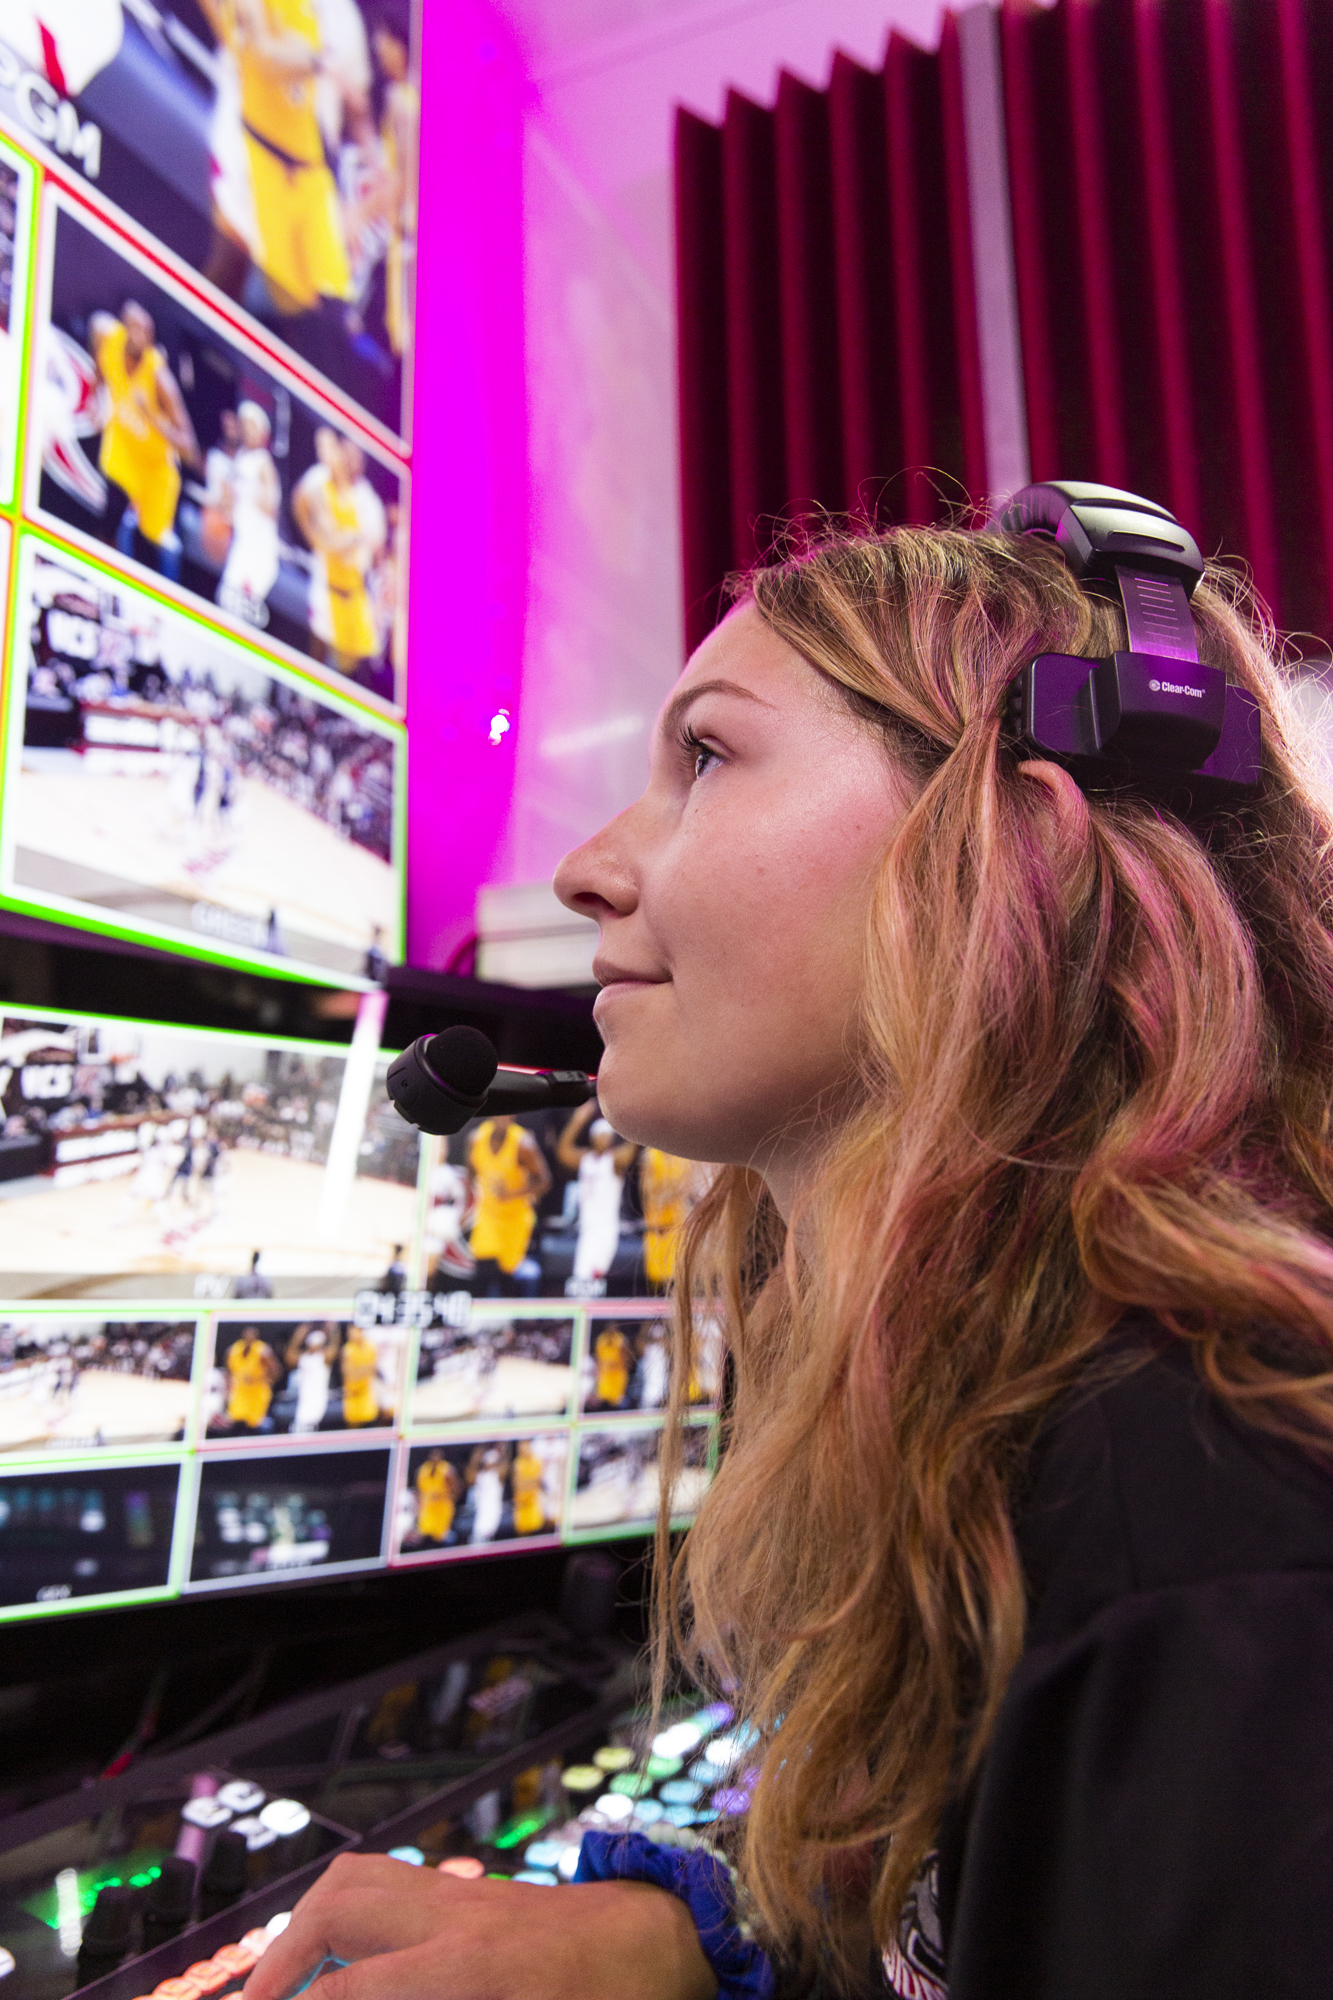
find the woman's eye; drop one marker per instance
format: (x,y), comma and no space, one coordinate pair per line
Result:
(701,757)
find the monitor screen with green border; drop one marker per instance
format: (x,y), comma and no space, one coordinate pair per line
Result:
(164,782)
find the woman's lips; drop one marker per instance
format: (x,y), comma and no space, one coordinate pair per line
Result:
(613,981)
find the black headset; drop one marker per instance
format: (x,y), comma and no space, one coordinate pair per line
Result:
(1152,719)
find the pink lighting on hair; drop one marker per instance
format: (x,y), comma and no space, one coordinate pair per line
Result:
(469,559)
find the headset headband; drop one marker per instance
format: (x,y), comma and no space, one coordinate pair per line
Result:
(1152,718)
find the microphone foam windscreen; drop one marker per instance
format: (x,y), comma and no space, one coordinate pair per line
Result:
(464,1059)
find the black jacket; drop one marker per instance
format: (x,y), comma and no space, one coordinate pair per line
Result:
(1154,1817)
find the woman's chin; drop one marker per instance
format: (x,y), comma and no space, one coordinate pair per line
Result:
(638,1106)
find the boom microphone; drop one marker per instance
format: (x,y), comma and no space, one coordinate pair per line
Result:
(444,1080)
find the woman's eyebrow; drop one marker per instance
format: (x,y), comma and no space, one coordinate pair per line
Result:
(676,709)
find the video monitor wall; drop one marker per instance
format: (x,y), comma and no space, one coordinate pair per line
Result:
(252,1328)
(239,1346)
(207,268)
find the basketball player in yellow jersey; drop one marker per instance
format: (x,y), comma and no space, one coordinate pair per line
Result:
(666,1190)
(400,129)
(298,221)
(611,1351)
(253,1368)
(526,1486)
(346,561)
(437,1487)
(147,433)
(359,1360)
(511,1178)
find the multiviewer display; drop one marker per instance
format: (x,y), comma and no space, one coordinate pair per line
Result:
(208,216)
(166,438)
(249,1444)
(231,1356)
(165,781)
(268,147)
(252,1328)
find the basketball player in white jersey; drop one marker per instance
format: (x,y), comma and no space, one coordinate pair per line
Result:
(147,1191)
(447,1250)
(310,1359)
(216,507)
(231,196)
(251,568)
(601,1166)
(654,1366)
(487,1471)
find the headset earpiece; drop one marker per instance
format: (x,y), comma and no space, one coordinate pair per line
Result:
(1153,717)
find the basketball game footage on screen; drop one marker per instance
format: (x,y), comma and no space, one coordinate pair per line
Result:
(466,1497)
(493,1367)
(292,1378)
(288,188)
(76,1382)
(617,1478)
(163,437)
(146,1162)
(162,779)
(555,1204)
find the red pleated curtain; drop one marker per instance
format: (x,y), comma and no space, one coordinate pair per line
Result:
(827,326)
(1171,168)
(1171,182)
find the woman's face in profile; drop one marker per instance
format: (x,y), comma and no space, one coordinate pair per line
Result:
(733,900)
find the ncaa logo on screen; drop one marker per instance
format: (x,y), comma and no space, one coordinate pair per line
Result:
(1174,687)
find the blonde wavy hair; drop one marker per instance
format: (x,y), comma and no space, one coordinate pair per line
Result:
(1096,1073)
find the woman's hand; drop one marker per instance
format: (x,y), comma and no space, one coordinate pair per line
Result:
(413,1934)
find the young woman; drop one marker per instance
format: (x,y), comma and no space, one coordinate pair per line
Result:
(1020,1557)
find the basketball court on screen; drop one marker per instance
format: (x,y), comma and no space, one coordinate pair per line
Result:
(103,1408)
(156,854)
(104,1240)
(79,1382)
(494,1368)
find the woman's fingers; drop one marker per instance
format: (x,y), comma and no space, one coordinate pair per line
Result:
(412,1934)
(363,1905)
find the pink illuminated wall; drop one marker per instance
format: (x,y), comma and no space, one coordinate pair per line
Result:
(470,490)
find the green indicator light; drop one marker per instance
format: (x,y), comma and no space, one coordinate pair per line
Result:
(495,1875)
(518,1830)
(140,1867)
